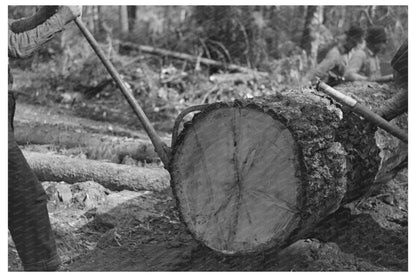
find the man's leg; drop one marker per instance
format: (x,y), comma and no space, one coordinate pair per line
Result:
(28,215)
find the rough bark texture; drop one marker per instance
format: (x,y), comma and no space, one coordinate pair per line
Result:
(319,166)
(94,146)
(392,153)
(335,155)
(48,167)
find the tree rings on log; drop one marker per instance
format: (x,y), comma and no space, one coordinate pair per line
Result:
(250,174)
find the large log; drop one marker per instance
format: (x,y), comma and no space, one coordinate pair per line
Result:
(263,172)
(94,146)
(50,167)
(392,151)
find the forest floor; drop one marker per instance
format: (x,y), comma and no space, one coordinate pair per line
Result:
(98,229)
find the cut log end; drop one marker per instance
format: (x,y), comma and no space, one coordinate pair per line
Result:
(235,174)
(259,173)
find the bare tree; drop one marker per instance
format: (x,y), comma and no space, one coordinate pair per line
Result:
(132,15)
(124,20)
(311,32)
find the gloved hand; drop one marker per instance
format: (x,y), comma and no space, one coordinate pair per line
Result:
(69,13)
(75,10)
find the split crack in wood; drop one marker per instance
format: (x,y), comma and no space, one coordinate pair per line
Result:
(237,174)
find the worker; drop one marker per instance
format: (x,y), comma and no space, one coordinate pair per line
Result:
(364,64)
(28,218)
(332,68)
(397,105)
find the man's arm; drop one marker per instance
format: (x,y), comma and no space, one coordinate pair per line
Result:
(25,24)
(354,66)
(400,65)
(321,71)
(23,44)
(330,61)
(395,106)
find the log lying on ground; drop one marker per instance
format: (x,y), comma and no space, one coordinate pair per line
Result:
(94,146)
(256,173)
(49,167)
(233,78)
(392,151)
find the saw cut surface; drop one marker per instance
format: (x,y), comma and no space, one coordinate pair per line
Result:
(235,176)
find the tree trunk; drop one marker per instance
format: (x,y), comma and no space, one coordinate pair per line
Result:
(90,23)
(256,173)
(342,18)
(124,20)
(97,18)
(49,167)
(307,36)
(132,16)
(311,37)
(94,146)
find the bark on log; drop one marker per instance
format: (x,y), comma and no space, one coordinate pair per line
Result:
(49,167)
(393,152)
(256,173)
(94,146)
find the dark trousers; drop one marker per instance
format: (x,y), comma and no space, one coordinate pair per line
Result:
(28,219)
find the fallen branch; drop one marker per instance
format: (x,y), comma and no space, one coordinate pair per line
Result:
(384,79)
(233,78)
(50,167)
(91,92)
(187,57)
(94,146)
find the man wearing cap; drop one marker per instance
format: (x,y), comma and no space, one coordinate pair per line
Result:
(332,68)
(364,65)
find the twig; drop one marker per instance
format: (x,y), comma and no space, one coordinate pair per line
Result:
(243,30)
(191,58)
(223,49)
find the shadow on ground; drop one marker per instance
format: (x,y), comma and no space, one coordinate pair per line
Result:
(100,230)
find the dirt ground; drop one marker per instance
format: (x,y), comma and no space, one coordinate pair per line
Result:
(101,230)
(140,231)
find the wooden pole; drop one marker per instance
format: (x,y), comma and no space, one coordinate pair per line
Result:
(161,149)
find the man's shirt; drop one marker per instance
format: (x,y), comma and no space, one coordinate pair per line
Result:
(22,44)
(364,62)
(335,62)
